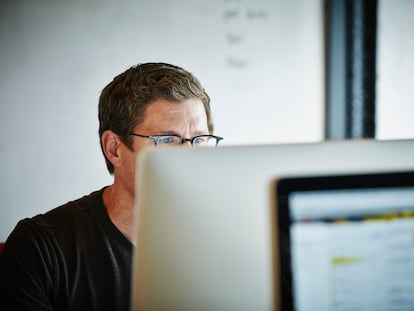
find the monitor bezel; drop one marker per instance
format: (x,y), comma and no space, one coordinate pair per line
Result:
(285,186)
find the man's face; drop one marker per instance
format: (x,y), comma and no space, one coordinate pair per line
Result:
(186,119)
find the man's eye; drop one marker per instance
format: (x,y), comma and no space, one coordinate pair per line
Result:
(168,140)
(200,140)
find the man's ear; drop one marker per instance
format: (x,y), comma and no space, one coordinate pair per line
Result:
(110,146)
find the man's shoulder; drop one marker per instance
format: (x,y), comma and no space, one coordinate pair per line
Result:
(65,214)
(71,208)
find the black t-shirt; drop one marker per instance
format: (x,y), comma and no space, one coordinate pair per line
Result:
(71,258)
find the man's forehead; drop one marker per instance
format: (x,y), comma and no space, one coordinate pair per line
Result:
(163,113)
(167,106)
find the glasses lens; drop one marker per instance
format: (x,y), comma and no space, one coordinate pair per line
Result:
(205,141)
(168,140)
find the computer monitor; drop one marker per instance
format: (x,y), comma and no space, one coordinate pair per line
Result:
(204,220)
(346,242)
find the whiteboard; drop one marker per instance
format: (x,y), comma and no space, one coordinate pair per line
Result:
(261,61)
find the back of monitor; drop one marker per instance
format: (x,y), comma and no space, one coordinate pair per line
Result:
(204,218)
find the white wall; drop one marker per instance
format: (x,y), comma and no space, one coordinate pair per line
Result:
(261,62)
(395,69)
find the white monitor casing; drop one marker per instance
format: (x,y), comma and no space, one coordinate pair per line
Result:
(204,218)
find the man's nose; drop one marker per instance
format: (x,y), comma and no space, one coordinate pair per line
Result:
(186,143)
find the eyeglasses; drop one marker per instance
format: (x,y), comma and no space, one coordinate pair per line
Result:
(173,140)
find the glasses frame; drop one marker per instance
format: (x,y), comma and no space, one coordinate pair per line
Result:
(155,138)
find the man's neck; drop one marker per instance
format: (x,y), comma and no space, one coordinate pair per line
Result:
(120,207)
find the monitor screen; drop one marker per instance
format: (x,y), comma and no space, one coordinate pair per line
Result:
(347,242)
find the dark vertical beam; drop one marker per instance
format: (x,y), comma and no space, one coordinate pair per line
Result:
(361,68)
(351,31)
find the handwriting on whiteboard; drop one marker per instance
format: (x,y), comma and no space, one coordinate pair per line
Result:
(237,16)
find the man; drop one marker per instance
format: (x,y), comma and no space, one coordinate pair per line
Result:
(78,256)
